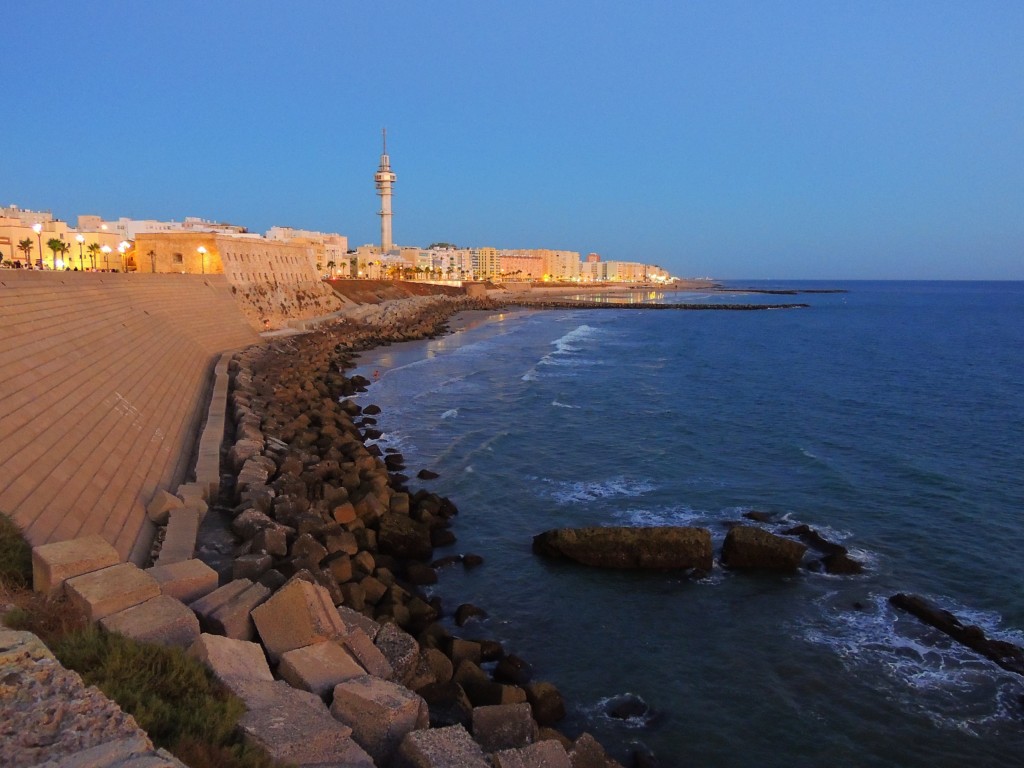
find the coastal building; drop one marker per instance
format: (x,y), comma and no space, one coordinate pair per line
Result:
(485,263)
(516,265)
(25,239)
(129,229)
(328,250)
(385,179)
(245,260)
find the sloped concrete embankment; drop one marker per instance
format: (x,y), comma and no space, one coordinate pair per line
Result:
(103,382)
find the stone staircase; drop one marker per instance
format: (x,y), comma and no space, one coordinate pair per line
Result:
(104,379)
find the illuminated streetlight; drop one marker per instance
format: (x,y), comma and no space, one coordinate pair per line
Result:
(121,248)
(202,257)
(106,257)
(38,228)
(81,261)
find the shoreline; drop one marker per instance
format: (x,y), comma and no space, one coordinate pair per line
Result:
(331,484)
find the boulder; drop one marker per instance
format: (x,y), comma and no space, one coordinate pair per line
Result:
(400,649)
(514,670)
(403,537)
(319,667)
(586,752)
(298,614)
(159,508)
(505,726)
(450,747)
(227,610)
(162,620)
(543,754)
(53,564)
(748,547)
(660,547)
(369,656)
(448,704)
(231,659)
(187,581)
(546,701)
(300,732)
(112,589)
(380,714)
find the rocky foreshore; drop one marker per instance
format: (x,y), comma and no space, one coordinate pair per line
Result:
(311,499)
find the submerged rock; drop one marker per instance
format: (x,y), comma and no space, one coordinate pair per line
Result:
(661,547)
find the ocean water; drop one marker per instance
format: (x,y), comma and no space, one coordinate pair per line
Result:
(890,418)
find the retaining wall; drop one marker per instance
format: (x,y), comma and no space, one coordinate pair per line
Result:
(104,378)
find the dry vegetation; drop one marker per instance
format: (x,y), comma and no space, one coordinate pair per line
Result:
(172,697)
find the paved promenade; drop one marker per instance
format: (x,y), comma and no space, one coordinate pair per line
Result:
(103,383)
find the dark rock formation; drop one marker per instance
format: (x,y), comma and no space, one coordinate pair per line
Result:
(753,548)
(1007,655)
(664,547)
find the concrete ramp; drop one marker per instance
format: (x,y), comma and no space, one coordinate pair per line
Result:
(103,383)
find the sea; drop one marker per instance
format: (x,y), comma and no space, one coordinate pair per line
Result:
(889,417)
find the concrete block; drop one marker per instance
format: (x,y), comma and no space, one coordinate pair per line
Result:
(180,538)
(319,667)
(355,620)
(380,714)
(192,494)
(302,734)
(53,564)
(187,581)
(504,726)
(226,611)
(359,644)
(543,754)
(450,747)
(162,620)
(297,615)
(230,659)
(159,508)
(400,649)
(109,590)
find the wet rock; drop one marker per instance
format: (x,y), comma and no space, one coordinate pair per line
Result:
(625,547)
(468,611)
(426,474)
(753,548)
(546,701)
(1007,655)
(514,670)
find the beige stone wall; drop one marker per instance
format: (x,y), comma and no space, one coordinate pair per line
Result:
(272,280)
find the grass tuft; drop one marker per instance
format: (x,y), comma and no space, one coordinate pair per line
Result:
(171,696)
(15,556)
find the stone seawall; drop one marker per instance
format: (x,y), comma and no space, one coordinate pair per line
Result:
(103,383)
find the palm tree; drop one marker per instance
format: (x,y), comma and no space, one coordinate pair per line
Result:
(25,246)
(56,245)
(331,265)
(64,248)
(93,249)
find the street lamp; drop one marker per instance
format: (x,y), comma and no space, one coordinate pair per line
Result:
(121,248)
(202,257)
(106,257)
(38,228)
(81,261)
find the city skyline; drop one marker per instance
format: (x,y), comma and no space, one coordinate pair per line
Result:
(729,140)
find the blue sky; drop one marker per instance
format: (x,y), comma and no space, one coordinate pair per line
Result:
(751,139)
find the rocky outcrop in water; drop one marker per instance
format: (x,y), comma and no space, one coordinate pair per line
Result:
(1007,655)
(623,547)
(748,547)
(836,560)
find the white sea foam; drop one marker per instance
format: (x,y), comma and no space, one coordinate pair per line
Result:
(557,404)
(450,414)
(569,492)
(915,665)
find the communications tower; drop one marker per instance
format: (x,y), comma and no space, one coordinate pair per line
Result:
(385,178)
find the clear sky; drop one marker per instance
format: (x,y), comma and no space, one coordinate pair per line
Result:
(755,139)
